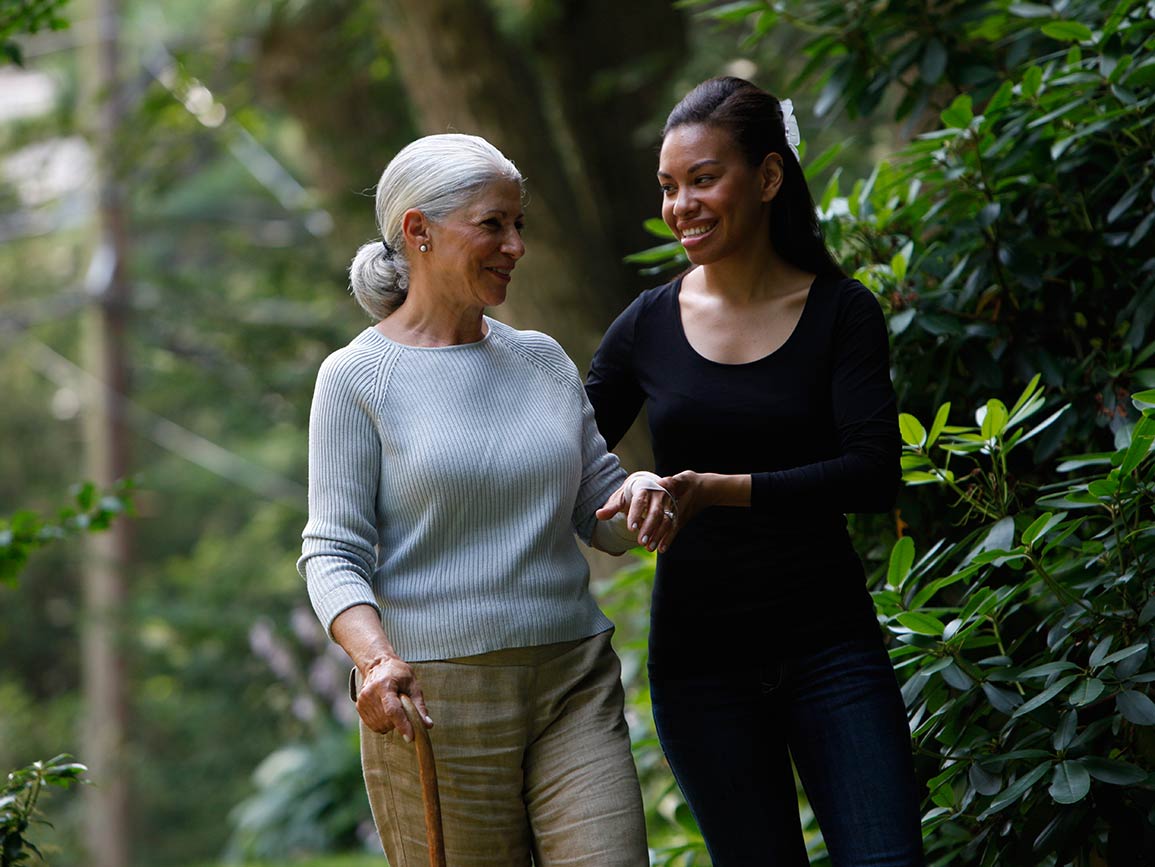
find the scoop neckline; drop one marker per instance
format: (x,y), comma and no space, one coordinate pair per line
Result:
(785,343)
(489,323)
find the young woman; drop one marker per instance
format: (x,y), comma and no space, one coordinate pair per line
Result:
(765,376)
(451,461)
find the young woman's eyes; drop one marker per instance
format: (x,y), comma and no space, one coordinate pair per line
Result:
(700,180)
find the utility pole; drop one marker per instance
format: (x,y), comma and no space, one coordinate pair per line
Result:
(107,558)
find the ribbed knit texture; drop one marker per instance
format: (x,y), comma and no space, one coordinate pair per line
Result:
(445,488)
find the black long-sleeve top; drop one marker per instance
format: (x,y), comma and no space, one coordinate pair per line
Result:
(814,423)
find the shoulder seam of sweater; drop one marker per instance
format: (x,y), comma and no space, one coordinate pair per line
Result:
(536,359)
(384,364)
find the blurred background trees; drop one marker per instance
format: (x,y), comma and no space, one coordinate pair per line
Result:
(984,166)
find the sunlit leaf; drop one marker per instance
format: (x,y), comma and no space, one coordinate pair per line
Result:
(901,559)
(959,113)
(920,622)
(936,428)
(1068,31)
(911,429)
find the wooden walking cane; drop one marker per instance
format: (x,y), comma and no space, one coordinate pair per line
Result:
(430,797)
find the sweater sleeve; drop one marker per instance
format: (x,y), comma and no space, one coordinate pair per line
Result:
(865,475)
(602,473)
(338,554)
(612,384)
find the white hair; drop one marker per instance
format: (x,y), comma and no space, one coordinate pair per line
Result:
(436,175)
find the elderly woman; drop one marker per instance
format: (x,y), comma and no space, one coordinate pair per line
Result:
(451,461)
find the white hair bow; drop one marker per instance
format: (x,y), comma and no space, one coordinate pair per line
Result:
(793,137)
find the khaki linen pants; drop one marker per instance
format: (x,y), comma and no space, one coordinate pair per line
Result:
(533,759)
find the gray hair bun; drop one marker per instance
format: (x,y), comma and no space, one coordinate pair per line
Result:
(379,281)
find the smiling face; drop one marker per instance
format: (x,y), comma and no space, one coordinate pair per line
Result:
(473,251)
(715,202)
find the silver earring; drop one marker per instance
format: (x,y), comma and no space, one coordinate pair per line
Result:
(424,248)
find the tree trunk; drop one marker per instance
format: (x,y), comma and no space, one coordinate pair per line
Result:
(573,92)
(335,77)
(462,75)
(106,567)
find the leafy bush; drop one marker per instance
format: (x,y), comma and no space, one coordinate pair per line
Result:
(20,535)
(18,17)
(674,837)
(26,531)
(309,794)
(1024,646)
(1017,238)
(310,798)
(18,805)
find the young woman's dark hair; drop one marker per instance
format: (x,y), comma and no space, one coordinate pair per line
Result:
(753,118)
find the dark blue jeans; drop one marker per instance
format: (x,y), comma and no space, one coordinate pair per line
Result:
(730,736)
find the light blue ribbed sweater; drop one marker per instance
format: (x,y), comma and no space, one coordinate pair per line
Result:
(445,488)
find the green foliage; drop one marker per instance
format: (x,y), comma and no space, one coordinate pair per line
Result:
(26,531)
(18,805)
(330,861)
(673,836)
(27,16)
(1024,646)
(1016,237)
(310,798)
(21,534)
(909,56)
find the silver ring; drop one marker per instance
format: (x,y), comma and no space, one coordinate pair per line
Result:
(670,513)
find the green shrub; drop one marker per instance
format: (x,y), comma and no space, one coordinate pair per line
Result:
(26,531)
(19,797)
(1024,645)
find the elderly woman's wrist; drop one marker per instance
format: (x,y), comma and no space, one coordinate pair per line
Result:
(641,480)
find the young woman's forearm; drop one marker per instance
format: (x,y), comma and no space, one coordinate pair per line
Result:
(722,490)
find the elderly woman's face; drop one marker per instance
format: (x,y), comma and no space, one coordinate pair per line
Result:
(475,249)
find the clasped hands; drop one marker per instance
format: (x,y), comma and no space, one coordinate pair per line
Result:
(648,511)
(657,508)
